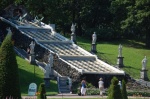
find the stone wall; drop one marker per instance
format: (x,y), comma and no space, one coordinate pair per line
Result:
(66,70)
(23,42)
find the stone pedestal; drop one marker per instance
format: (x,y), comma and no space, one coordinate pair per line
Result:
(93,48)
(47,82)
(120,62)
(144,74)
(32,58)
(73,38)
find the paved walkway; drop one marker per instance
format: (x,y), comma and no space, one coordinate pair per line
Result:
(75,96)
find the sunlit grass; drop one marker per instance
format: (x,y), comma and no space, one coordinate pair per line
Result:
(27,76)
(133,53)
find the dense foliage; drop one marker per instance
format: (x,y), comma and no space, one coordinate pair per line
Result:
(111,19)
(41,91)
(123,90)
(114,91)
(134,18)
(9,77)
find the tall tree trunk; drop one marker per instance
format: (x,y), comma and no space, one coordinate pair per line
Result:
(79,30)
(147,42)
(73,11)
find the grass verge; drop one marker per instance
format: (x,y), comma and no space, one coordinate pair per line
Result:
(27,76)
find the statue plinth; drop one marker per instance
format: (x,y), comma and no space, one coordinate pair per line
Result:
(144,74)
(47,82)
(120,62)
(93,48)
(73,37)
(32,58)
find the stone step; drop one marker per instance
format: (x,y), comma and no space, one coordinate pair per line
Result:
(64,77)
(64,91)
(64,87)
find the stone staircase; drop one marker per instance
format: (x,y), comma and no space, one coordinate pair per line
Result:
(62,84)
(69,59)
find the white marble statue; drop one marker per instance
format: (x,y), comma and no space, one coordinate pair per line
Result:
(73,28)
(48,66)
(51,60)
(94,38)
(32,45)
(120,84)
(47,71)
(120,50)
(144,62)
(37,20)
(9,30)
(21,18)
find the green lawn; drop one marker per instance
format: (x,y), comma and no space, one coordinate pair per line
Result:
(133,53)
(93,98)
(26,73)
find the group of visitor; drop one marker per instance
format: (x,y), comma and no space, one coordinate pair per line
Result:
(83,87)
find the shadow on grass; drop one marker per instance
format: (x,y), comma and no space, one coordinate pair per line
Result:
(134,72)
(130,67)
(26,78)
(125,42)
(53,89)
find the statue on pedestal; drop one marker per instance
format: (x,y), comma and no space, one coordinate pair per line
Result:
(32,45)
(47,71)
(120,50)
(144,62)
(21,18)
(73,36)
(94,38)
(73,28)
(48,66)
(37,20)
(51,60)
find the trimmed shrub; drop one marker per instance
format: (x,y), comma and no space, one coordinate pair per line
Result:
(123,90)
(114,91)
(9,76)
(41,91)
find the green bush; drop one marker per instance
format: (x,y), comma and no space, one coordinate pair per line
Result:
(9,76)
(134,93)
(114,91)
(41,92)
(92,91)
(123,90)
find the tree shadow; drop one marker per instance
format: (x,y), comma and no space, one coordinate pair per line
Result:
(26,78)
(130,67)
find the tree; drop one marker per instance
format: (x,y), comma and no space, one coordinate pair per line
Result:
(134,18)
(9,77)
(114,91)
(5,3)
(119,13)
(41,91)
(123,90)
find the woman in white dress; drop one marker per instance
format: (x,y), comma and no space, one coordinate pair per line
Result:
(101,86)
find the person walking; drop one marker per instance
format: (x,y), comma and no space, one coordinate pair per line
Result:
(101,86)
(83,87)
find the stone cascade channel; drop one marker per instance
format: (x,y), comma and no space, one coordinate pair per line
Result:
(69,52)
(82,61)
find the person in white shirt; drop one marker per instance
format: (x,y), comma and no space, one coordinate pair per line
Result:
(101,86)
(120,84)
